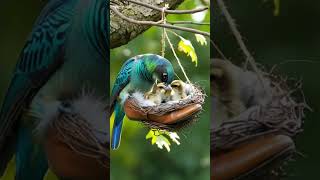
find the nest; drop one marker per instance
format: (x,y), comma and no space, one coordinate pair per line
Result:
(187,111)
(79,135)
(282,115)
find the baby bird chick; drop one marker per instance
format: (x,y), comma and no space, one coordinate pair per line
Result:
(159,93)
(179,89)
(225,78)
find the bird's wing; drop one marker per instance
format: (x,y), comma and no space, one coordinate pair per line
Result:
(122,80)
(41,56)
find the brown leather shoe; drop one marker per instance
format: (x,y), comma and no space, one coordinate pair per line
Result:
(249,157)
(169,118)
(66,163)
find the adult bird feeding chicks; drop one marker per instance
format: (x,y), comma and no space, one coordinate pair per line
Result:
(137,74)
(162,93)
(147,82)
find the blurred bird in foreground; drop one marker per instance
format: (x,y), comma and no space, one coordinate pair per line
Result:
(234,90)
(136,74)
(65,52)
(74,134)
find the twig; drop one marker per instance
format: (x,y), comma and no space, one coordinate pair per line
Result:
(152,23)
(174,33)
(188,22)
(175,55)
(239,39)
(291,61)
(236,32)
(163,39)
(167,10)
(218,50)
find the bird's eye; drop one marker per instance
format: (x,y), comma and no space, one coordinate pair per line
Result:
(164,77)
(160,86)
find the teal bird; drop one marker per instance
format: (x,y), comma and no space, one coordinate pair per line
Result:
(66,51)
(137,74)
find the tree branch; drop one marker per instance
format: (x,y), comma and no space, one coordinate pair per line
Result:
(188,22)
(122,31)
(114,9)
(237,35)
(235,31)
(167,11)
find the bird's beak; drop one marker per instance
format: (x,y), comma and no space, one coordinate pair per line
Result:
(168,88)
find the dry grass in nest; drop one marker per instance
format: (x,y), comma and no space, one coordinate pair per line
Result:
(282,115)
(196,98)
(79,135)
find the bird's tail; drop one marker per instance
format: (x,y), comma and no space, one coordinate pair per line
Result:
(117,126)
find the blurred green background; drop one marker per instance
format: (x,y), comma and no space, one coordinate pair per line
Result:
(137,158)
(17,18)
(293,35)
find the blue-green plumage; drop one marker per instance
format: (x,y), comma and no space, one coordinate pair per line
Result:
(69,39)
(31,160)
(137,74)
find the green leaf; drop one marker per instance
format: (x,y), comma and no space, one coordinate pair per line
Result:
(201,39)
(154,140)
(186,47)
(276,10)
(163,141)
(152,134)
(149,135)
(159,137)
(174,137)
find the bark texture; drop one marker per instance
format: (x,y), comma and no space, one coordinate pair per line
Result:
(121,31)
